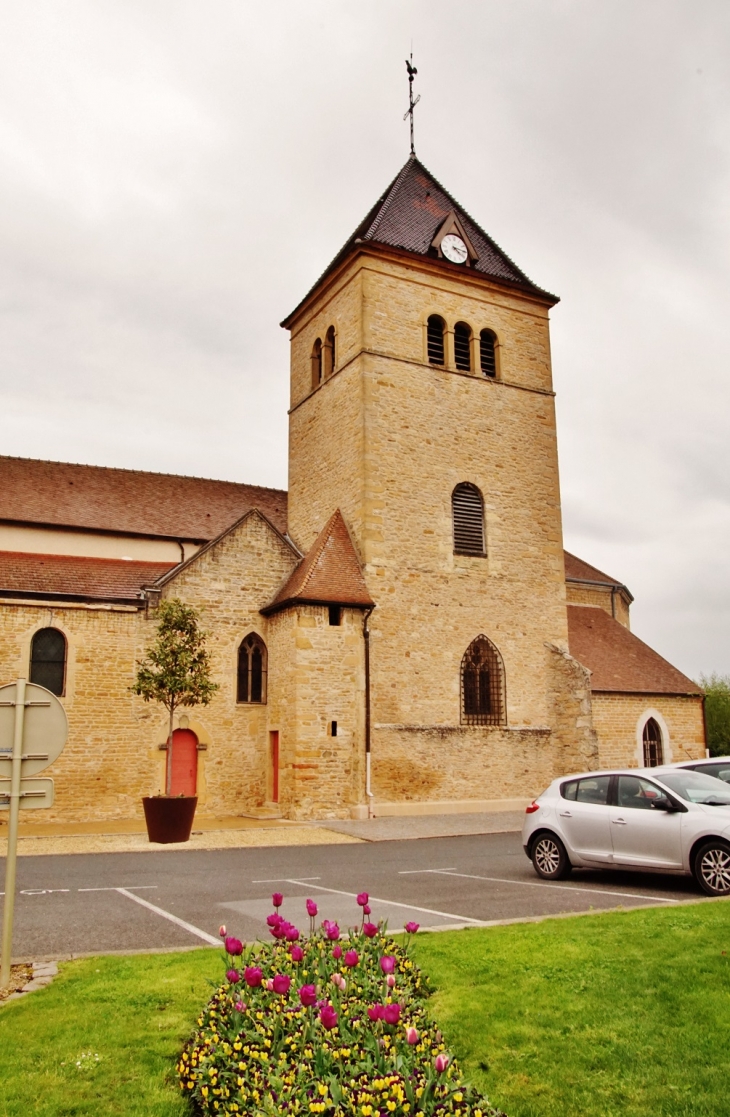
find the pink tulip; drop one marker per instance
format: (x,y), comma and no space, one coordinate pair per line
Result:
(332,931)
(292,933)
(308,995)
(411,928)
(296,954)
(279,929)
(367,910)
(252,976)
(339,981)
(270,984)
(328,1017)
(222,931)
(390,981)
(233,976)
(337,952)
(441,1062)
(391,1013)
(375,1012)
(240,1006)
(387,963)
(281,984)
(273,919)
(351,958)
(312,909)
(369,930)
(233,946)
(277,900)
(412,1035)
(362,899)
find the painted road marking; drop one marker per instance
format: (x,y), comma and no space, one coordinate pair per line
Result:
(564,887)
(391,903)
(282,880)
(136,887)
(415,872)
(168,915)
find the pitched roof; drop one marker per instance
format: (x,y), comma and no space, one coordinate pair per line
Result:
(76,578)
(129,501)
(618,660)
(408,215)
(576,570)
(329,574)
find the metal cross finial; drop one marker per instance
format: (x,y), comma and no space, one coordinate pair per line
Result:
(412,71)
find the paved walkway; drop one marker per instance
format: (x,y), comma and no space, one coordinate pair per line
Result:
(396,829)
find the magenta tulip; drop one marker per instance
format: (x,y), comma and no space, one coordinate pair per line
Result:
(296,954)
(387,963)
(281,984)
(308,995)
(362,899)
(441,1062)
(292,933)
(273,919)
(367,910)
(233,976)
(277,899)
(233,946)
(337,952)
(391,1013)
(369,930)
(252,976)
(411,1036)
(312,909)
(328,1017)
(411,928)
(332,931)
(375,1012)
(351,958)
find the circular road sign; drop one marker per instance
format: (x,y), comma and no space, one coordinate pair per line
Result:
(45,729)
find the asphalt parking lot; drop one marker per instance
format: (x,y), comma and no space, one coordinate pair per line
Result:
(89,903)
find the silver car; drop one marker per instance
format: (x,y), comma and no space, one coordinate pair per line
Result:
(667,819)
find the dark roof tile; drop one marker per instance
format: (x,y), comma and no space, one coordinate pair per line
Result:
(72,576)
(329,574)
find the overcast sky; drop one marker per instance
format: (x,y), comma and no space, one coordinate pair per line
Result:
(174,174)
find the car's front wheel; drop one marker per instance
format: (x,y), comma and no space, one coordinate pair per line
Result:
(712,868)
(549,857)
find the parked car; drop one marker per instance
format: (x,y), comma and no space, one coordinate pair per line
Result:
(717,766)
(668,819)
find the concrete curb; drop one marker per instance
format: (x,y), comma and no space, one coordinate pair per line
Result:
(43,974)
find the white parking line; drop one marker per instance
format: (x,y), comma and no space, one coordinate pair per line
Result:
(136,887)
(415,872)
(168,915)
(392,903)
(281,880)
(563,887)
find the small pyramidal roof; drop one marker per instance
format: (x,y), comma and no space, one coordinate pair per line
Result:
(408,216)
(329,574)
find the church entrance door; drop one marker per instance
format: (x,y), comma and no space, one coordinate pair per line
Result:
(184,774)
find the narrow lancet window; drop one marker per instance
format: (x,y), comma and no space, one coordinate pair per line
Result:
(653,750)
(329,352)
(462,346)
(488,353)
(482,684)
(48,660)
(252,670)
(467,509)
(435,340)
(317,363)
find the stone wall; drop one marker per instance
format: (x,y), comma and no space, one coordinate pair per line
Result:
(614,604)
(619,719)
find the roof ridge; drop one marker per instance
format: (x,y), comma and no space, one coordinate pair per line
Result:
(311,556)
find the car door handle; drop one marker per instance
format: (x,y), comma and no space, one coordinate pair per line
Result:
(565,814)
(618,821)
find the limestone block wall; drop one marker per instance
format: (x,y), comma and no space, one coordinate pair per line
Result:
(580,594)
(575,741)
(620,718)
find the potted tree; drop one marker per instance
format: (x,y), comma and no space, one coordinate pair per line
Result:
(174,672)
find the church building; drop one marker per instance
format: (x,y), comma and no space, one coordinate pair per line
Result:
(400,632)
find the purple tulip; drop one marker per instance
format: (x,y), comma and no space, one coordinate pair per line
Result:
(362,899)
(391,1013)
(277,900)
(308,995)
(369,930)
(328,1017)
(281,984)
(296,954)
(337,952)
(233,946)
(252,976)
(387,963)
(233,976)
(312,909)
(351,958)
(411,928)
(375,1012)
(441,1062)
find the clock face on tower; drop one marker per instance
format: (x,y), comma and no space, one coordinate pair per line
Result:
(454,248)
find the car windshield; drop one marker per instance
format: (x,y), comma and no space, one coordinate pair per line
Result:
(696,787)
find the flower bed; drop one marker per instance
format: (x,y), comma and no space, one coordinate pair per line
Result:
(323,1026)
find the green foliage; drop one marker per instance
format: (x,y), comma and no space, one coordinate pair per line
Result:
(717,712)
(176,669)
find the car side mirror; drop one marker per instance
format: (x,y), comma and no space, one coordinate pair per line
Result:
(663,804)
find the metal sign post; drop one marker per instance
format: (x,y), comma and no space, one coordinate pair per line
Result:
(33,719)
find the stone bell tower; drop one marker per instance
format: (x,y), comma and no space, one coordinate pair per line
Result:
(422,407)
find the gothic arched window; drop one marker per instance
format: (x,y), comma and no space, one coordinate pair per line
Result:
(462,346)
(488,353)
(467,509)
(48,660)
(435,340)
(482,684)
(653,746)
(252,669)
(329,352)
(317,363)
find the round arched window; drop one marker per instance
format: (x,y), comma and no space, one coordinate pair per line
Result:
(48,660)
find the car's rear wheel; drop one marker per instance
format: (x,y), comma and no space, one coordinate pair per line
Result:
(549,857)
(712,868)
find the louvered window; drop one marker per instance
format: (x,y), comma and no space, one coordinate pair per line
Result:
(482,684)
(317,363)
(329,352)
(252,664)
(468,515)
(652,738)
(48,660)
(462,346)
(435,339)
(487,353)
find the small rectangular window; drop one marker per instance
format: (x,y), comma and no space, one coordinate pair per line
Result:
(335,615)
(334,728)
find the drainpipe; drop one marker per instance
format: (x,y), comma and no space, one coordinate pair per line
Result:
(366,638)
(704,722)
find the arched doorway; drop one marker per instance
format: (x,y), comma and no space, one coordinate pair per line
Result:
(652,740)
(184,766)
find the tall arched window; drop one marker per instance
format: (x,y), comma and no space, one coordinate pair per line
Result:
(462,346)
(467,509)
(252,664)
(317,363)
(653,747)
(488,353)
(48,660)
(435,339)
(329,352)
(482,684)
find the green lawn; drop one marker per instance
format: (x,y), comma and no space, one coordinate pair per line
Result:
(624,1014)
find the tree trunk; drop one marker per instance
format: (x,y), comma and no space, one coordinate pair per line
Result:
(168,766)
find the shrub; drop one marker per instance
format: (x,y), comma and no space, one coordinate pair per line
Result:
(322,1027)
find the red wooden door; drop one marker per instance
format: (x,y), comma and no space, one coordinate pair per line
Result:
(274,735)
(184,776)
